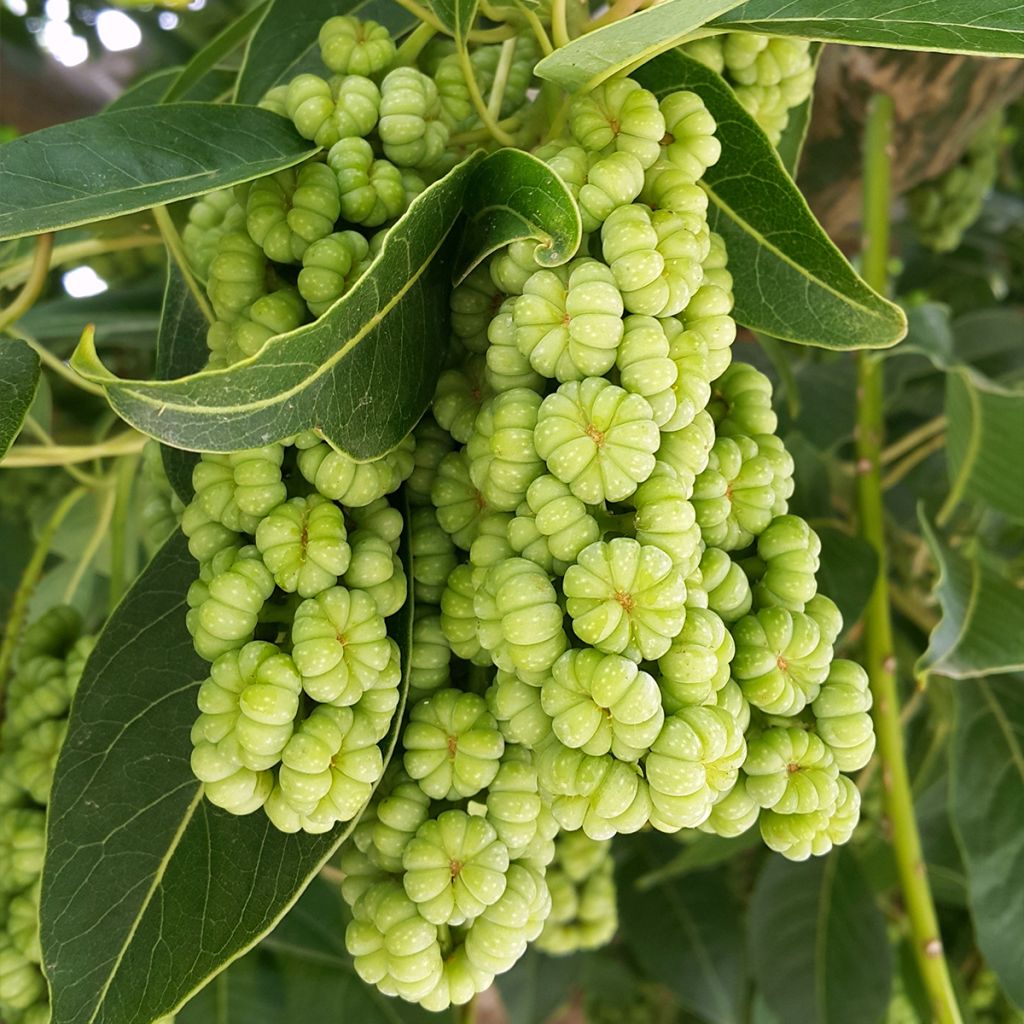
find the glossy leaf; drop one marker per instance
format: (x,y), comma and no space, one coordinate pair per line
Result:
(19,379)
(148,890)
(127,160)
(180,349)
(817,941)
(221,46)
(456,15)
(795,284)
(285,42)
(538,986)
(361,375)
(987,796)
(590,59)
(992,29)
(686,933)
(791,145)
(981,632)
(211,85)
(512,196)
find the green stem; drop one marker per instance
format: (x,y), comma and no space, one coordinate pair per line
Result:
(175,246)
(93,545)
(33,426)
(879,649)
(469,74)
(500,83)
(34,283)
(128,442)
(559,24)
(29,579)
(75,252)
(414,43)
(56,364)
(120,570)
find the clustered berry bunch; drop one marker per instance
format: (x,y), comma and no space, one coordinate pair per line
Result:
(51,657)
(769,74)
(943,208)
(279,251)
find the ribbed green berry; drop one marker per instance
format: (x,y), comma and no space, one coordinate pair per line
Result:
(625,598)
(21,981)
(237,490)
(689,144)
(666,518)
(474,302)
(349,46)
(238,275)
(266,216)
(371,190)
(39,690)
(694,761)
(392,946)
(491,545)
(597,438)
(510,268)
(791,771)
(35,758)
(275,100)
(456,102)
(240,584)
(645,367)
(339,645)
(841,715)
(781,660)
(561,518)
(513,801)
(696,666)
(23,845)
(668,188)
(339,477)
(206,536)
(601,795)
(330,267)
(788,550)
(458,397)
(742,402)
(735,496)
(304,544)
(226,782)
(430,655)
(503,461)
(612,181)
(722,585)
(620,115)
(460,506)
(584,914)
(826,614)
(311,105)
(733,814)
(401,809)
(601,703)
(799,836)
(433,555)
(691,390)
(270,315)
(507,367)
(685,452)
(519,620)
(516,706)
(452,745)
(568,321)
(410,127)
(708,314)
(458,619)
(433,443)
(455,867)
(210,217)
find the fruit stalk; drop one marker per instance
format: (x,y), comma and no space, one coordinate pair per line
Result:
(880,659)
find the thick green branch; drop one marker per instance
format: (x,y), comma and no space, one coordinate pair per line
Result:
(880,657)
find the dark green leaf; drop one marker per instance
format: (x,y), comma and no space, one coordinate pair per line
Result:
(818,943)
(129,316)
(150,90)
(511,196)
(961,26)
(180,349)
(361,375)
(128,160)
(791,145)
(148,890)
(686,933)
(285,43)
(795,284)
(19,378)
(981,632)
(590,59)
(222,44)
(848,569)
(538,986)
(987,810)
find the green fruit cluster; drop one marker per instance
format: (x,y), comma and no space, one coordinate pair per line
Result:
(279,251)
(51,657)
(769,74)
(943,208)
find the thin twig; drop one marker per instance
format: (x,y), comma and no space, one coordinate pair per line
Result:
(33,426)
(93,545)
(912,439)
(55,363)
(129,442)
(914,458)
(34,283)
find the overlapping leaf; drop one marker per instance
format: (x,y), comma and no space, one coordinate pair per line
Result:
(512,196)
(148,890)
(818,943)
(19,378)
(956,26)
(361,375)
(795,284)
(981,632)
(790,146)
(615,48)
(987,796)
(127,160)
